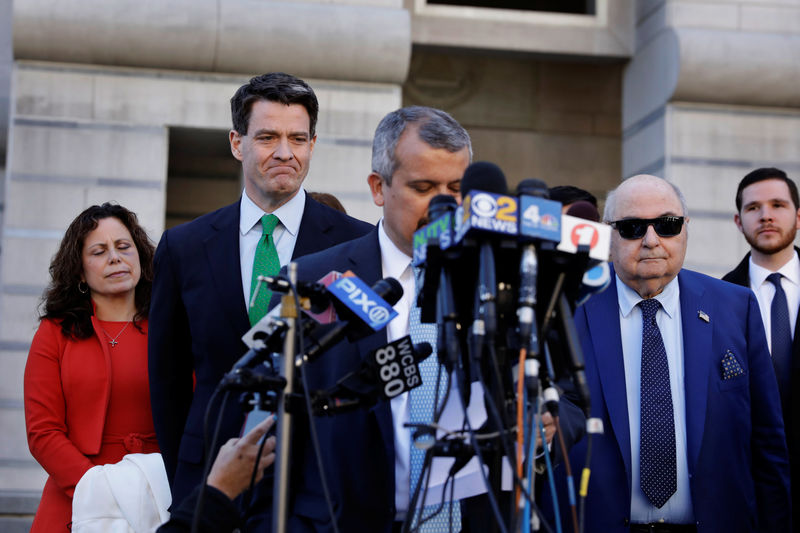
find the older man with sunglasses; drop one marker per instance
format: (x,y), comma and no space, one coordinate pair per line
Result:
(679,372)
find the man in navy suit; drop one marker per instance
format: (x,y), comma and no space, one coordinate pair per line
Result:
(684,385)
(203,269)
(768,215)
(418,153)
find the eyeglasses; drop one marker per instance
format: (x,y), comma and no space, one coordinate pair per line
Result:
(635,228)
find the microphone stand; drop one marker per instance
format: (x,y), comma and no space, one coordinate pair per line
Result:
(280,504)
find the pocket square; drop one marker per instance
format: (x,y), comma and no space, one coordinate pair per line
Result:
(730,366)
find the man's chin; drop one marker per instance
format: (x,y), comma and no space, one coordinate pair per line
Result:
(770,246)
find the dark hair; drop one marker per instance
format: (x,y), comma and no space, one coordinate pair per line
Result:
(274,87)
(328,199)
(567,194)
(434,126)
(63,300)
(761,174)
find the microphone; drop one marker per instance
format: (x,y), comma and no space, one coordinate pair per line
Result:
(386,373)
(539,221)
(346,307)
(315,294)
(577,231)
(583,243)
(433,250)
(597,277)
(429,244)
(439,228)
(437,286)
(270,330)
(585,210)
(595,280)
(440,206)
(540,217)
(361,311)
(487,207)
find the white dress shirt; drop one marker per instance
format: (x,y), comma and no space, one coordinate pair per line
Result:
(765,291)
(678,509)
(285,234)
(468,481)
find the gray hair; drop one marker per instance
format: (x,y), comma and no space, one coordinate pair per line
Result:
(611,201)
(435,127)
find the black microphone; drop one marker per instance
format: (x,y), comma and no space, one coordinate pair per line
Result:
(585,210)
(264,339)
(435,299)
(267,334)
(483,176)
(355,307)
(439,206)
(597,277)
(528,273)
(386,373)
(486,177)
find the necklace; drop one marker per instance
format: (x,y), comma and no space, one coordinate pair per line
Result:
(113,342)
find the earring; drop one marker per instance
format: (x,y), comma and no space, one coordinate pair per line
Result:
(83,287)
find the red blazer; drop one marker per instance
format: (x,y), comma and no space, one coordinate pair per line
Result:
(67,392)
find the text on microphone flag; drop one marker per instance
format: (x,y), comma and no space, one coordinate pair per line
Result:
(579,231)
(396,367)
(363,301)
(440,229)
(486,211)
(541,218)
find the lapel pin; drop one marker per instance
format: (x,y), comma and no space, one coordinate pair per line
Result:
(703,316)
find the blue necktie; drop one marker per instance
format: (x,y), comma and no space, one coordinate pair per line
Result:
(658,471)
(421,410)
(781,335)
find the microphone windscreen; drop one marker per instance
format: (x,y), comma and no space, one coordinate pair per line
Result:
(441,204)
(585,210)
(483,176)
(389,289)
(533,187)
(422,351)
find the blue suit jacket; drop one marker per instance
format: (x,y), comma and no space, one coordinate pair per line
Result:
(357,447)
(197,319)
(738,463)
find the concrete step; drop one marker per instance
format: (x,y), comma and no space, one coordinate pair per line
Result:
(17,509)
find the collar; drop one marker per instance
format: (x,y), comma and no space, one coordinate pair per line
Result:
(628,298)
(790,271)
(289,213)
(394,261)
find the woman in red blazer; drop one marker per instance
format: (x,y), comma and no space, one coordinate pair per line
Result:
(87,398)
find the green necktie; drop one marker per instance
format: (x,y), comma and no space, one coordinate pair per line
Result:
(265,263)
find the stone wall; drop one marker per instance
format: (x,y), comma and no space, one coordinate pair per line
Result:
(711,94)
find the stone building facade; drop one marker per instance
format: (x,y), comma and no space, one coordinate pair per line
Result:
(128,101)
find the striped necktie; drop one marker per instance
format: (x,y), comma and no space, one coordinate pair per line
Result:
(421,410)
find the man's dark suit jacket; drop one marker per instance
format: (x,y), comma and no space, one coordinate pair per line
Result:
(791,411)
(197,319)
(735,444)
(357,447)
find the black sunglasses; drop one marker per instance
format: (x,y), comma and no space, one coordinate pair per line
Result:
(635,228)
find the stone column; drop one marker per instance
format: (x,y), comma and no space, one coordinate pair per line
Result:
(711,94)
(98,84)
